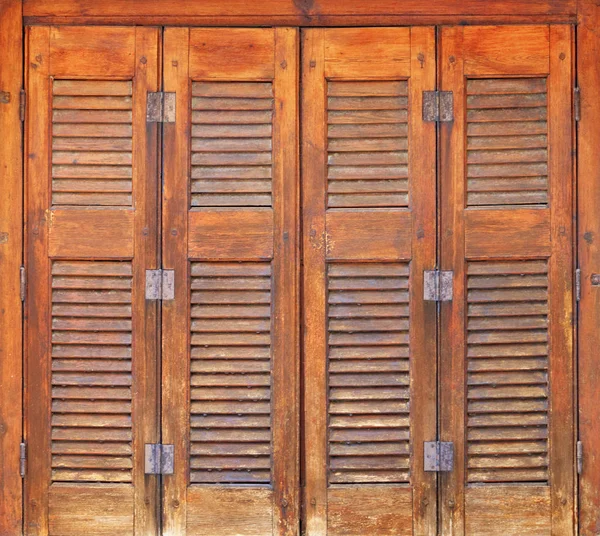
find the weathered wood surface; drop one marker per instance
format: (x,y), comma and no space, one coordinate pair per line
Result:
(11,255)
(299,12)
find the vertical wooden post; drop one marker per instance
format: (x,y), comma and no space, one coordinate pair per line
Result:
(11,254)
(588,66)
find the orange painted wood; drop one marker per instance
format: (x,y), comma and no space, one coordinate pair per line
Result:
(231,233)
(289,12)
(11,255)
(364,366)
(91,335)
(231,335)
(507,353)
(588,194)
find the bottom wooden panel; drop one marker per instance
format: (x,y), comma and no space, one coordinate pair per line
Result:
(215,511)
(370,511)
(508,511)
(90,510)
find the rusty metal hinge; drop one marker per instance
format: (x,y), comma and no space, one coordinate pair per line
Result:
(437,285)
(438,106)
(22,104)
(158,459)
(579,457)
(23,282)
(22,459)
(578,284)
(160,107)
(438,456)
(577,103)
(160,284)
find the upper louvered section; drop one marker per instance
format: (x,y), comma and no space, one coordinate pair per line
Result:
(231,373)
(507,142)
(368,373)
(507,371)
(91,143)
(91,371)
(367,144)
(232,143)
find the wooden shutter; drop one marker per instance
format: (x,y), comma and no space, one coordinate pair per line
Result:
(507,342)
(369,233)
(230,336)
(91,393)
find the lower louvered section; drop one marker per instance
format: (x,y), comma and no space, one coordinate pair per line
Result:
(368,373)
(367,148)
(507,371)
(91,371)
(92,143)
(507,142)
(230,373)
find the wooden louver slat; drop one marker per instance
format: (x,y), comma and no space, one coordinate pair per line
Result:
(367,144)
(368,373)
(231,144)
(91,371)
(507,142)
(230,373)
(92,143)
(507,385)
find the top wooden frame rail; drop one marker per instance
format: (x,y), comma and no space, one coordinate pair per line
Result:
(297,12)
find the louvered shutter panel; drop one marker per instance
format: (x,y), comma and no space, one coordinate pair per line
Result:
(230,336)
(369,231)
(91,336)
(507,234)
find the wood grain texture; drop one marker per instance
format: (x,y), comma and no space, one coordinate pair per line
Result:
(97,510)
(357,511)
(288,12)
(506,50)
(11,255)
(93,232)
(514,232)
(231,234)
(588,194)
(505,510)
(383,234)
(229,512)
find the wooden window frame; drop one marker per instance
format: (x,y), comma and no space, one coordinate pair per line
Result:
(15,13)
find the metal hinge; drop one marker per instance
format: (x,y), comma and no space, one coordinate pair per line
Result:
(579,457)
(160,107)
(577,103)
(439,456)
(22,459)
(160,284)
(438,106)
(437,285)
(578,284)
(22,104)
(23,282)
(158,459)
